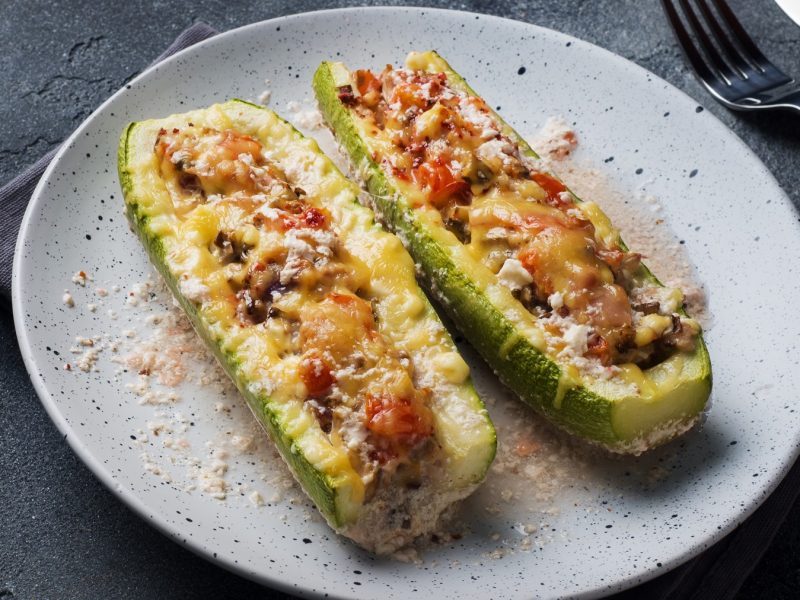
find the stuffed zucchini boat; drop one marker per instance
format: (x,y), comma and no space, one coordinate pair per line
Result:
(538,281)
(314,312)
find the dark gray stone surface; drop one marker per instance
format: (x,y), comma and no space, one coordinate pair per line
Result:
(63,535)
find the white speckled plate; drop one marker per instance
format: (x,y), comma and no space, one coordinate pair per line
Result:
(623,521)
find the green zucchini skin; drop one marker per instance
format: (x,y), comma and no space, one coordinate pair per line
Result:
(316,485)
(321,487)
(517,362)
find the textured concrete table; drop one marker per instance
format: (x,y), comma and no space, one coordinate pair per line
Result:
(63,535)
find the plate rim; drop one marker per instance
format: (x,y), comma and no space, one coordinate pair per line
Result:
(139,507)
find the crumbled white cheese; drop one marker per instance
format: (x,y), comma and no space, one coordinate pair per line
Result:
(513,275)
(353,433)
(425,88)
(256,499)
(556,300)
(263,386)
(67,299)
(306,245)
(495,153)
(577,338)
(480,120)
(273,214)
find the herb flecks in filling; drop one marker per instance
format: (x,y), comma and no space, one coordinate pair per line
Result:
(449,152)
(278,265)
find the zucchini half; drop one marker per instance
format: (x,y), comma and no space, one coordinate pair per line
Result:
(629,413)
(380,508)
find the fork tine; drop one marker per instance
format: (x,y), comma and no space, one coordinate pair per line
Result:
(742,78)
(693,55)
(737,43)
(745,41)
(734,57)
(724,72)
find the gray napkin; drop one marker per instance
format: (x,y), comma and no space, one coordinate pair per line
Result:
(718,573)
(14,196)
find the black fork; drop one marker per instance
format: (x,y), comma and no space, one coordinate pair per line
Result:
(726,60)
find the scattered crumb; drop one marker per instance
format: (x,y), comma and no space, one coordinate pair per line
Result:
(306,115)
(264,97)
(68,300)
(556,140)
(155,361)
(80,278)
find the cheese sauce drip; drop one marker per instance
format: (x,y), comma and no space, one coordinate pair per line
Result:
(279,267)
(447,151)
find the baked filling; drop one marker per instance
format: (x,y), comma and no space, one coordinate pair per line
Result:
(560,257)
(266,262)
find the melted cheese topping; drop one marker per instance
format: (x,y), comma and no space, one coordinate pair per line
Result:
(315,303)
(511,225)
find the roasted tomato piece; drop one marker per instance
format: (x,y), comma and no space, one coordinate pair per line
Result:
(369,87)
(366,81)
(440,182)
(316,375)
(553,188)
(406,420)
